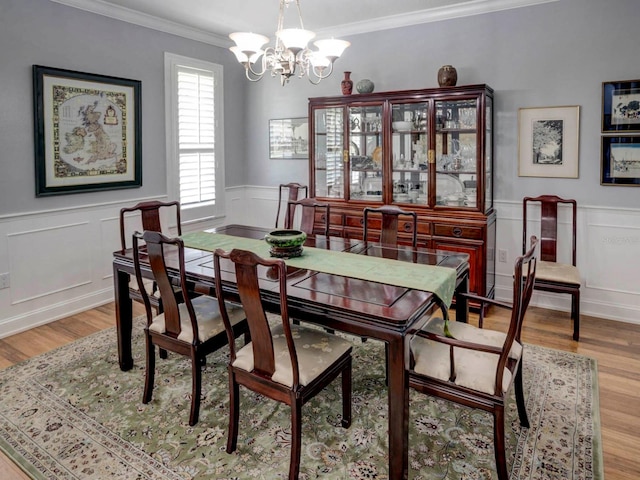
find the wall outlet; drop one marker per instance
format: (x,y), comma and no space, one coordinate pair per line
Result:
(502,256)
(4,280)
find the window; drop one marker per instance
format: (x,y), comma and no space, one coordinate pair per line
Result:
(195,136)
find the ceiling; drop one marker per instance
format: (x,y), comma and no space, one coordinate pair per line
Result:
(211,21)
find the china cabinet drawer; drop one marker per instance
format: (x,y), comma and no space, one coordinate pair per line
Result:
(458,231)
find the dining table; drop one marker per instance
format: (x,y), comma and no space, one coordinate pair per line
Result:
(376,305)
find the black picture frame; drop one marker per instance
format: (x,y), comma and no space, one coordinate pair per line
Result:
(87,131)
(620,161)
(621,106)
(289,138)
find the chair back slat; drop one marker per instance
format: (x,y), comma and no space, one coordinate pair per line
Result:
(150,216)
(246,278)
(548,241)
(315,215)
(390,222)
(158,248)
(294,190)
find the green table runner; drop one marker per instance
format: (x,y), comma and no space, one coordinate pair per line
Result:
(438,280)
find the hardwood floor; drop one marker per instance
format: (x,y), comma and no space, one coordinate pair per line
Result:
(615,345)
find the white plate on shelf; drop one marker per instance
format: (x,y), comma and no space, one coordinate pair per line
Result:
(447,184)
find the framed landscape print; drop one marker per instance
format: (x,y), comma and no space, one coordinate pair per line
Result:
(620,161)
(289,138)
(87,132)
(621,106)
(548,142)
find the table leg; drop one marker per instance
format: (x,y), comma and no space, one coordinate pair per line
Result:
(398,410)
(462,304)
(124,314)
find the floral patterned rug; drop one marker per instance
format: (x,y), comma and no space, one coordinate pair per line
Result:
(72,414)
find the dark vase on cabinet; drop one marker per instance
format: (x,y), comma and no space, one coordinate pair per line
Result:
(346,84)
(430,151)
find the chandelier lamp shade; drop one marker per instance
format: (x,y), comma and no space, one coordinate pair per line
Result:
(291,54)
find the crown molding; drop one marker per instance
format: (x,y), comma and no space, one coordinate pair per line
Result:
(149,21)
(473,7)
(438,14)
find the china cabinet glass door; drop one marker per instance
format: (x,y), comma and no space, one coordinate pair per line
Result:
(409,147)
(365,152)
(488,198)
(457,154)
(328,154)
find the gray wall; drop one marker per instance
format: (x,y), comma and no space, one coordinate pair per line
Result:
(552,54)
(546,55)
(46,33)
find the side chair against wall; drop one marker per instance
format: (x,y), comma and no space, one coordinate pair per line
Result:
(315,215)
(150,219)
(553,276)
(287,363)
(193,328)
(389,223)
(294,192)
(474,366)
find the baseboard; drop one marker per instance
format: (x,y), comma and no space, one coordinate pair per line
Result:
(35,318)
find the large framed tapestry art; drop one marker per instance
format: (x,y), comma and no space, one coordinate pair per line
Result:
(87,132)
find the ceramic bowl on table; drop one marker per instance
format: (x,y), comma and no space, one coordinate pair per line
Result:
(285,243)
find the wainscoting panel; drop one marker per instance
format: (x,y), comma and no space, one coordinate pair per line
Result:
(48,270)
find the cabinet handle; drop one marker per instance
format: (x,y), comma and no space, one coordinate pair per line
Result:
(345,156)
(432,156)
(457,232)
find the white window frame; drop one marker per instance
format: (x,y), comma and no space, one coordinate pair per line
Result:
(202,211)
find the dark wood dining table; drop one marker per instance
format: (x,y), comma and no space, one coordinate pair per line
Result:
(363,308)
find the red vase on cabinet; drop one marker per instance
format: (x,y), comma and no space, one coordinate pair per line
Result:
(346,84)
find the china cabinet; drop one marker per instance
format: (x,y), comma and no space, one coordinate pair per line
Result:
(430,151)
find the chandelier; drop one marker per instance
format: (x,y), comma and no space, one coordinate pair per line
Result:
(290,55)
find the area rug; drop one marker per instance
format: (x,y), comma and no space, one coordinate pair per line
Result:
(72,414)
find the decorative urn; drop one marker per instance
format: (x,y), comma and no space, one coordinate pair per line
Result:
(447,76)
(285,243)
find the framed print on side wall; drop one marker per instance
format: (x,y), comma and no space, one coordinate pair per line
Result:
(620,161)
(548,140)
(289,138)
(621,106)
(87,132)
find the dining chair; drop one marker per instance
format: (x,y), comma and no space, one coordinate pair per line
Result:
(474,366)
(294,191)
(193,328)
(389,223)
(149,218)
(553,275)
(315,215)
(285,362)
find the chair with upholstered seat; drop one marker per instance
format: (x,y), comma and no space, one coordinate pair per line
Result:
(315,215)
(553,275)
(389,223)
(149,218)
(474,366)
(285,362)
(193,328)
(294,191)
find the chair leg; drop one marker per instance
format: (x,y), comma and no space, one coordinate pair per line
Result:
(498,443)
(346,396)
(522,408)
(296,437)
(575,314)
(196,388)
(151,370)
(163,354)
(234,413)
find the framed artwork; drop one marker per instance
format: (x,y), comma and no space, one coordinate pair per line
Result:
(548,140)
(620,161)
(621,106)
(289,138)
(87,132)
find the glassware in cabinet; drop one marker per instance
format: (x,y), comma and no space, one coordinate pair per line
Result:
(328,135)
